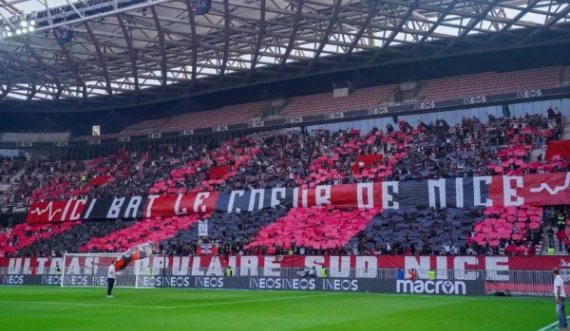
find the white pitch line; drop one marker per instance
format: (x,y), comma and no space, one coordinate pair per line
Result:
(549,326)
(165,307)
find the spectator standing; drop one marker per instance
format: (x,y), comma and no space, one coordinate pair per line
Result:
(111,275)
(560,297)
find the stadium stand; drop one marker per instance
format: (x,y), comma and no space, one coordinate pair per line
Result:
(326,103)
(471,85)
(224,116)
(489,83)
(295,158)
(145,127)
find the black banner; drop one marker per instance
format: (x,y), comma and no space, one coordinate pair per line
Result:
(484,191)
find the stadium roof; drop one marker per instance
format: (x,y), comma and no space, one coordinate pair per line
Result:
(137,51)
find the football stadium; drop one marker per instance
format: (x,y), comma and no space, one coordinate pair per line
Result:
(284,165)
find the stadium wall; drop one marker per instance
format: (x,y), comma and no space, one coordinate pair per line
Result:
(455,275)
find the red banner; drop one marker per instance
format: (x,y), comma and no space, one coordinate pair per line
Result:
(219,172)
(488,263)
(56,211)
(560,148)
(536,190)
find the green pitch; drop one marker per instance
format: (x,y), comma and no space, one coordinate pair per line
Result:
(42,308)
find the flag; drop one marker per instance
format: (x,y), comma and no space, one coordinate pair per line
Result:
(202,7)
(203,228)
(139,252)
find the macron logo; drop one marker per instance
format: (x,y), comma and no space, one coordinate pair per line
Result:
(552,191)
(431,287)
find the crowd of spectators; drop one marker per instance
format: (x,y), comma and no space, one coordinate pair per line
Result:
(299,158)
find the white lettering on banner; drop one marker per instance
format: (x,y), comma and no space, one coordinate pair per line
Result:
(249,265)
(459,196)
(115,209)
(256,194)
(41,265)
(304,197)
(91,265)
(360,195)
(65,210)
(464,267)
(441,267)
(282,283)
(340,285)
(477,191)
(295,197)
(256,123)
(158,264)
(199,202)
(175,281)
(431,287)
(323,195)
(293,120)
(497,268)
(387,198)
(215,267)
(379,110)
(339,270)
(177,210)
(209,282)
(314,261)
(73,268)
(421,267)
(49,209)
(133,206)
(27,269)
(90,209)
(274,193)
(475,100)
(180,265)
(220,128)
(233,196)
(13,280)
(509,193)
(366,267)
(271,268)
(52,280)
(424,105)
(536,93)
(15,265)
(461,272)
(196,269)
(75,216)
(440,185)
(552,191)
(149,204)
(335,115)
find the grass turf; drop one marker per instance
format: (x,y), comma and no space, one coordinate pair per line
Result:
(43,308)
